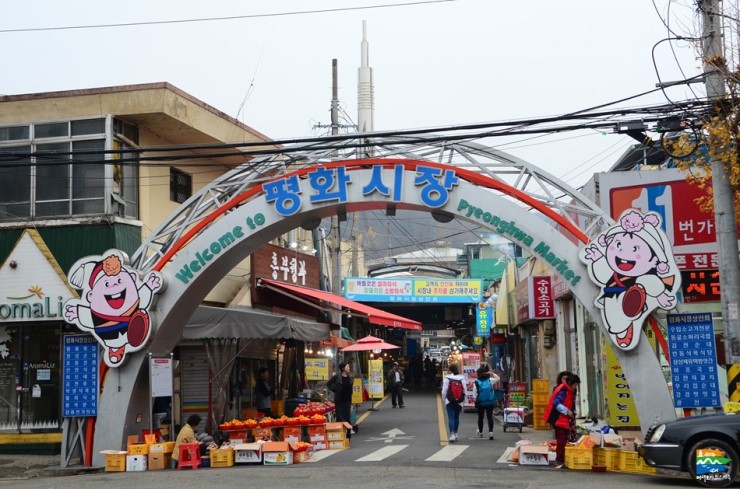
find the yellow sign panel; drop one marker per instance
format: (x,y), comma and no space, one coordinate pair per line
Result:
(317,369)
(620,403)
(357,391)
(375,376)
(448,288)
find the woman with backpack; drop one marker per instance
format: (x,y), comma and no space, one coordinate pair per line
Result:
(453,393)
(485,399)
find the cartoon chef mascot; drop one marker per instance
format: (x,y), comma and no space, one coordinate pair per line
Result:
(633,264)
(113,305)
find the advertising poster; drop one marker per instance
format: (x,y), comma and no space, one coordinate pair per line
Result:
(357,391)
(471,363)
(517,394)
(621,405)
(693,360)
(375,375)
(317,368)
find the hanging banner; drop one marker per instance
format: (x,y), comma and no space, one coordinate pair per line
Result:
(483,317)
(375,374)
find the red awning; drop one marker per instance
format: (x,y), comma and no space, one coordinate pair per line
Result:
(336,303)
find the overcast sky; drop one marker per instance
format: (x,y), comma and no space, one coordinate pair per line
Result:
(435,63)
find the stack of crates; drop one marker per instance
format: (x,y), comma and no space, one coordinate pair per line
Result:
(540,398)
(578,458)
(630,461)
(607,457)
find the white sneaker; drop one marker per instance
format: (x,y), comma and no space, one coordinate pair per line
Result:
(490,435)
(479,434)
(453,437)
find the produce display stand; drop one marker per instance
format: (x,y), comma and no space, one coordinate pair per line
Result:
(514,406)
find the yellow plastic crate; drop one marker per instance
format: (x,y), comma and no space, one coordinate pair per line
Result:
(540,398)
(607,457)
(578,458)
(115,461)
(540,385)
(222,457)
(630,461)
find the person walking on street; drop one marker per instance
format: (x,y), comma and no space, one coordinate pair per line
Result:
(395,383)
(485,399)
(341,385)
(429,372)
(264,393)
(452,385)
(560,413)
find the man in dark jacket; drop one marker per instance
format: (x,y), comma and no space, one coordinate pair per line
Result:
(264,393)
(395,385)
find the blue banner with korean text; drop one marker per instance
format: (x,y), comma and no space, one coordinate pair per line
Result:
(80,376)
(693,360)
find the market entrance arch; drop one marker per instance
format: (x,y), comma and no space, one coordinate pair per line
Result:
(233,217)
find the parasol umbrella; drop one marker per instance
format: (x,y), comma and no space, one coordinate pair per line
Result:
(370,343)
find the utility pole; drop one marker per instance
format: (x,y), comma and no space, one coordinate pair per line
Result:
(337,282)
(724,203)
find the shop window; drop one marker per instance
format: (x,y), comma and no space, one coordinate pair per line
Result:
(61,170)
(181,186)
(30,380)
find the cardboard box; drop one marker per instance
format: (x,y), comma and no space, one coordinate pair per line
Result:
(166,447)
(320,445)
(534,455)
(338,444)
(300,457)
(262,434)
(237,435)
(277,453)
(159,460)
(222,457)
(139,449)
(612,440)
(115,460)
(136,463)
(248,453)
(236,441)
(292,434)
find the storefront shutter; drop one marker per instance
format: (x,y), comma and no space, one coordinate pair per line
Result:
(194,375)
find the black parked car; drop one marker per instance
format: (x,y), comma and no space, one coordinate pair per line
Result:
(704,446)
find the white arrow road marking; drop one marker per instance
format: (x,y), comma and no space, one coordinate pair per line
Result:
(391,434)
(448,453)
(505,458)
(381,453)
(319,455)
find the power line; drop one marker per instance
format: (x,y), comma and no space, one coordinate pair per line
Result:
(224,18)
(603,120)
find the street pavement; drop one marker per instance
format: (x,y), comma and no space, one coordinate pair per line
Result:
(399,448)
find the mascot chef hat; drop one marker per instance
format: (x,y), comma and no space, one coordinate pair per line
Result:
(647,227)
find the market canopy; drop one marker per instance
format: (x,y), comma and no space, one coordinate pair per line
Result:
(327,300)
(239,322)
